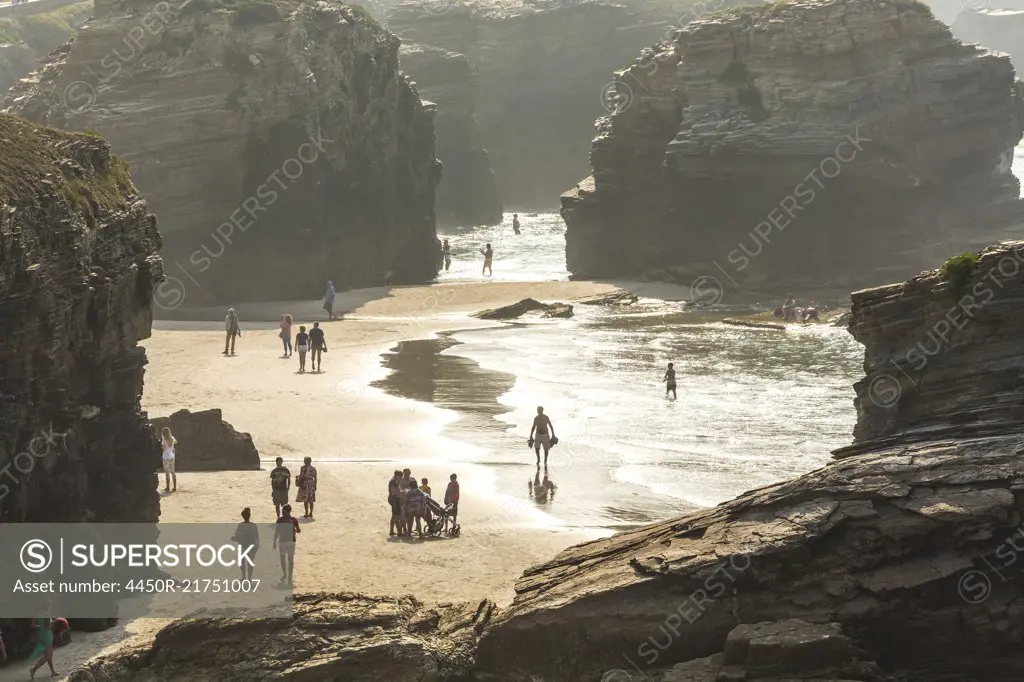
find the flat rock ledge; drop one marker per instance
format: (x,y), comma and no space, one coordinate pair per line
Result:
(339,636)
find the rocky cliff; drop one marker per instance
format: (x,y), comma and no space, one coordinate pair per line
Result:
(541,67)
(276,141)
(26,37)
(78,264)
(468,192)
(786,142)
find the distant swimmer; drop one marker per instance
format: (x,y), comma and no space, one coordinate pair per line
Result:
(542,435)
(446,251)
(670,380)
(488,253)
(789,309)
(515,223)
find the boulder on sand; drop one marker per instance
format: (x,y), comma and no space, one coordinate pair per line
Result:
(208,443)
(527,305)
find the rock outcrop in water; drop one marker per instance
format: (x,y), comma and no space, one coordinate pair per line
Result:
(896,562)
(541,66)
(276,141)
(787,142)
(208,443)
(78,264)
(468,192)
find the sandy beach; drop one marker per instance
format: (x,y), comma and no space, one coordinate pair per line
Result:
(357,435)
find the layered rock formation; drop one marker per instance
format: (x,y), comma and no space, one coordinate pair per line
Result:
(28,32)
(78,264)
(540,69)
(208,443)
(468,193)
(264,134)
(331,637)
(788,141)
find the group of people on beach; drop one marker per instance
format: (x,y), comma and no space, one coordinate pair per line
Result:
(312,342)
(286,526)
(408,502)
(487,251)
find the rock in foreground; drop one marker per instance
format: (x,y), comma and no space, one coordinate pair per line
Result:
(208,443)
(808,142)
(277,141)
(78,264)
(331,637)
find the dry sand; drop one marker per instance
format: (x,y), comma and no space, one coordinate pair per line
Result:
(356,435)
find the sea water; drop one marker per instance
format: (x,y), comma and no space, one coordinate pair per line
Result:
(754,406)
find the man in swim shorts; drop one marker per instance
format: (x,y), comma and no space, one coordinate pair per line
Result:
(541,434)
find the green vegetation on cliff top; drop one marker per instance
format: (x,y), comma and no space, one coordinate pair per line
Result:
(254,12)
(31,167)
(43,30)
(957,270)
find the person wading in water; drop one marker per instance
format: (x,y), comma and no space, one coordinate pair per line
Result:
(544,431)
(515,223)
(488,259)
(670,380)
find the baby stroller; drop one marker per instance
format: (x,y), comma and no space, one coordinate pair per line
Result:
(442,519)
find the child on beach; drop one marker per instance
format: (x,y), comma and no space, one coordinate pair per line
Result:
(302,345)
(670,380)
(425,487)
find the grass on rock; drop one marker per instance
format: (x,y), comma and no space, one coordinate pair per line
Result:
(30,166)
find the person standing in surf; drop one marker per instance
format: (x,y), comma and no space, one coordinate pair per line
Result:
(515,223)
(670,380)
(446,251)
(488,253)
(542,435)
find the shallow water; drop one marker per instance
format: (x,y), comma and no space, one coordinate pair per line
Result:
(754,406)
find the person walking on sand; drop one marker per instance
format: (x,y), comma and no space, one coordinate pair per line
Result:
(329,300)
(488,253)
(306,482)
(395,502)
(231,330)
(247,535)
(544,431)
(168,442)
(302,346)
(670,380)
(280,483)
(286,531)
(446,251)
(451,496)
(515,223)
(317,346)
(286,334)
(44,647)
